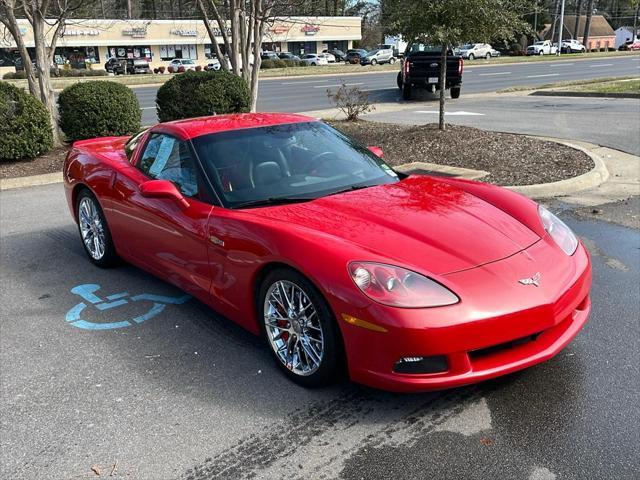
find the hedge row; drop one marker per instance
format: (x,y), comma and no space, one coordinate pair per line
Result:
(282,64)
(56,72)
(25,127)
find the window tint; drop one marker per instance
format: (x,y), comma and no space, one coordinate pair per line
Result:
(132,144)
(167,158)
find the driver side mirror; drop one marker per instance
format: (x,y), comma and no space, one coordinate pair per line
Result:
(377,151)
(163,189)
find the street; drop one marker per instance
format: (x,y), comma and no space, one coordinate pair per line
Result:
(302,94)
(187,395)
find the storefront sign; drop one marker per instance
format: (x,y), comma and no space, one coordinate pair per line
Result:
(218,33)
(139,32)
(280,29)
(184,33)
(81,33)
(23,31)
(310,29)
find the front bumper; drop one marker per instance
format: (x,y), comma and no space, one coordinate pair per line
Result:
(499,326)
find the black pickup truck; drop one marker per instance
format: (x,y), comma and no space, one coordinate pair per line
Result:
(421,69)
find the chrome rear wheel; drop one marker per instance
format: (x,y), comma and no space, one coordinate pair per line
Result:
(91,228)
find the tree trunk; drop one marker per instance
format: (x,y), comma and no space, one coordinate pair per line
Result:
(634,34)
(578,12)
(443,84)
(587,25)
(43,66)
(129,9)
(11,24)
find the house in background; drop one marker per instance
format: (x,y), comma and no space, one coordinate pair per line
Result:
(601,35)
(625,34)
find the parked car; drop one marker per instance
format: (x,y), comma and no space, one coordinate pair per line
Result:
(339,54)
(124,66)
(421,69)
(397,294)
(117,66)
(214,64)
(329,56)
(382,55)
(266,55)
(288,56)
(314,59)
(471,51)
(178,65)
(542,47)
(629,46)
(354,55)
(572,46)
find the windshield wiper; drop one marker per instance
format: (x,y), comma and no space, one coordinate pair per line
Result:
(349,189)
(273,201)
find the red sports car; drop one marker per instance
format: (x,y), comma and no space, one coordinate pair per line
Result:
(297,233)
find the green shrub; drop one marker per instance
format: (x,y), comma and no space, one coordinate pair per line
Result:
(197,94)
(266,64)
(280,63)
(9,76)
(98,108)
(25,127)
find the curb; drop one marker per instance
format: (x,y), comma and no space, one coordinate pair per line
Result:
(551,93)
(32,181)
(587,181)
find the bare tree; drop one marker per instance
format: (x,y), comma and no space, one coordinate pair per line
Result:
(587,25)
(241,24)
(8,19)
(48,20)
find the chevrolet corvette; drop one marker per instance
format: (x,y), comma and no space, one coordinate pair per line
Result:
(301,235)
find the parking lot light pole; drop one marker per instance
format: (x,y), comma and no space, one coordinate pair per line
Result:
(561,29)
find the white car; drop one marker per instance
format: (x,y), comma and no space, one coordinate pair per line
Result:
(331,58)
(476,50)
(315,59)
(185,63)
(214,64)
(573,46)
(542,47)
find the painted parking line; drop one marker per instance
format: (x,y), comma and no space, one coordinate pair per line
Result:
(544,75)
(496,73)
(460,113)
(563,64)
(147,108)
(339,85)
(305,81)
(601,65)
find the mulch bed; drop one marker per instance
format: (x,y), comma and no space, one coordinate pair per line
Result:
(49,163)
(510,159)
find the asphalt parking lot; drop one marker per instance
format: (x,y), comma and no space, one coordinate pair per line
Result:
(156,386)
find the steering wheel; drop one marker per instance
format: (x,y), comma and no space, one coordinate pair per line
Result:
(320,158)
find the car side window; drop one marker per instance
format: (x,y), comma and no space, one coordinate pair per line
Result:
(167,158)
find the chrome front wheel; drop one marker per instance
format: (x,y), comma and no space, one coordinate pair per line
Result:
(293,328)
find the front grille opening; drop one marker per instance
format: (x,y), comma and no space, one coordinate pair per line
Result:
(485,352)
(421,365)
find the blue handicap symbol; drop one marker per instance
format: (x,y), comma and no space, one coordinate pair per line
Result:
(88,292)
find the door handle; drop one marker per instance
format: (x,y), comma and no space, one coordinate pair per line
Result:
(216,241)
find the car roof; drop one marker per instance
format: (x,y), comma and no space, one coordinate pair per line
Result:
(191,128)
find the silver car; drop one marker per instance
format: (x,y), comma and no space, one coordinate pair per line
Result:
(476,50)
(379,55)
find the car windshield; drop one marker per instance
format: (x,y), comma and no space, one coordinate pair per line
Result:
(188,62)
(468,46)
(372,53)
(539,43)
(298,161)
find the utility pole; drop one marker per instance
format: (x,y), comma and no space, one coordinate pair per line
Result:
(561,28)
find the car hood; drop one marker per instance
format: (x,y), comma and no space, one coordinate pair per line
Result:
(419,222)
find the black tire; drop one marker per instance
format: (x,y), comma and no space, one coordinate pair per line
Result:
(313,64)
(392,60)
(374,61)
(488,56)
(406,92)
(541,52)
(332,362)
(110,257)
(471,56)
(399,80)
(455,92)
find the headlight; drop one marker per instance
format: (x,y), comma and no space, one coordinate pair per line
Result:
(558,230)
(399,287)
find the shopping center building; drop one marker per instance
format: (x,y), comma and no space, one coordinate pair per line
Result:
(94,41)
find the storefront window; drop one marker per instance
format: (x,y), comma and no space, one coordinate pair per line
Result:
(302,48)
(137,51)
(76,57)
(169,52)
(338,45)
(208,50)
(8,57)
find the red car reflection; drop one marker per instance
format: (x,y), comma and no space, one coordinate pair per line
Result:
(299,234)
